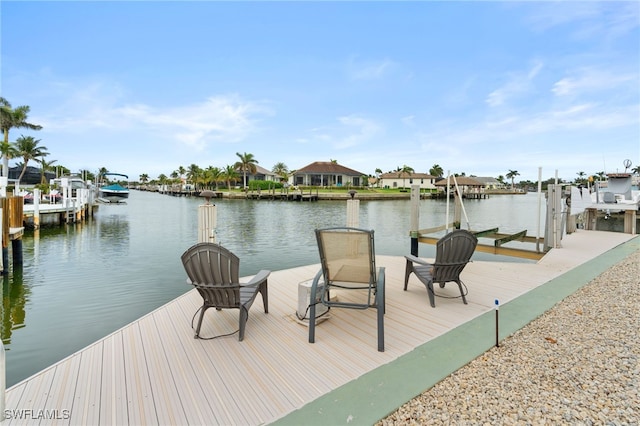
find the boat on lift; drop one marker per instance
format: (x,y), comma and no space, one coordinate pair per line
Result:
(113,193)
(618,192)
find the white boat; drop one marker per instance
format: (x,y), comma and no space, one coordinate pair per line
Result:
(616,193)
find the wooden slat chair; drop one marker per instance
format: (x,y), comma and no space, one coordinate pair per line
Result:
(347,258)
(213,271)
(453,252)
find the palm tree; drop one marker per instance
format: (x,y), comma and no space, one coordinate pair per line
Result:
(194,174)
(101,172)
(403,172)
(512,175)
(180,172)
(12,118)
(581,176)
(281,170)
(636,170)
(246,164)
(8,150)
(144,178)
(45,166)
(229,173)
(27,148)
(212,175)
(436,171)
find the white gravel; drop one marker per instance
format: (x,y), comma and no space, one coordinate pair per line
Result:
(575,364)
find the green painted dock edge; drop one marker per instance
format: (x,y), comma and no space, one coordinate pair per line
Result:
(375,395)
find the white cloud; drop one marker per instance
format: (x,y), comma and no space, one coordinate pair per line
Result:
(588,80)
(364,131)
(517,84)
(604,20)
(97,107)
(373,70)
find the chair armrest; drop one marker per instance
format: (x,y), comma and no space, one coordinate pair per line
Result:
(258,278)
(416,259)
(451,263)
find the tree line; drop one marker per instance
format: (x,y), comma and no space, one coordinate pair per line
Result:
(28,148)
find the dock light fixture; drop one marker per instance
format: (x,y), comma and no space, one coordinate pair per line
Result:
(207,195)
(353,194)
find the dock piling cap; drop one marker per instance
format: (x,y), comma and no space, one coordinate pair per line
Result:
(207,195)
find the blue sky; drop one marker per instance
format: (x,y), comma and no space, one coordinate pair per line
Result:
(475,87)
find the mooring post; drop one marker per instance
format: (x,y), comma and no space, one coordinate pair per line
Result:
(353,210)
(415,218)
(3,381)
(207,219)
(5,235)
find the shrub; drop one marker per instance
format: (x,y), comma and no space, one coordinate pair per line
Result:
(264,185)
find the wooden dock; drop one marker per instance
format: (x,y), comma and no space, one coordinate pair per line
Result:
(153,371)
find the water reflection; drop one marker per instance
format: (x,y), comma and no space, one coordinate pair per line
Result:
(14,298)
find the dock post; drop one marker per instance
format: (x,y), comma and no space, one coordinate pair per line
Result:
(207,219)
(5,235)
(3,381)
(4,259)
(36,208)
(415,216)
(554,217)
(630,222)
(353,210)
(16,250)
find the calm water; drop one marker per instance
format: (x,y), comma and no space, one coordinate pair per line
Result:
(81,282)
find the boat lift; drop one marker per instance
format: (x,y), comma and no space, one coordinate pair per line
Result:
(500,239)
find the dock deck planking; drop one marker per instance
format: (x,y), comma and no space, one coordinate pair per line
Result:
(153,371)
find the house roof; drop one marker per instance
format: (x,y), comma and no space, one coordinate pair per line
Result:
(263,171)
(462,181)
(328,167)
(486,180)
(403,175)
(260,171)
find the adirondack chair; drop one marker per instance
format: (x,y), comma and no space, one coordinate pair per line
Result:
(453,252)
(213,271)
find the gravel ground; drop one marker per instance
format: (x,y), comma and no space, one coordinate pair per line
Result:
(576,364)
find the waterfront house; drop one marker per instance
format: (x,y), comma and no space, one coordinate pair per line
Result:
(260,174)
(465,184)
(490,183)
(32,175)
(328,173)
(405,180)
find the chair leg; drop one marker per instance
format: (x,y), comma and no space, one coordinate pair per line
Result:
(381,311)
(264,291)
(464,299)
(244,315)
(432,296)
(202,311)
(312,323)
(407,271)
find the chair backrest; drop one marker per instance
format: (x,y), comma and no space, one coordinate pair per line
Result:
(347,255)
(214,271)
(453,252)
